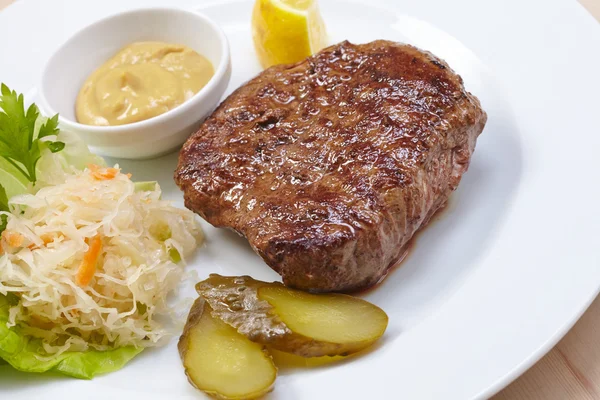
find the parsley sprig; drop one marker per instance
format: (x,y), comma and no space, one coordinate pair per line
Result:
(18,143)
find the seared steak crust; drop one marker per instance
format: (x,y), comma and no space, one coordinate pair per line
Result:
(329,166)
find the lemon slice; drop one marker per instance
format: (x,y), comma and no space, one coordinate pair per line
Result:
(287,31)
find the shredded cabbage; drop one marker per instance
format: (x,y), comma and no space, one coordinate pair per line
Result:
(143,245)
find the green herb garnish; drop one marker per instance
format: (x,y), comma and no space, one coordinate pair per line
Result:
(18,143)
(3,207)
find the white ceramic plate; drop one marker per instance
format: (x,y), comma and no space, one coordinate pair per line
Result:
(495,281)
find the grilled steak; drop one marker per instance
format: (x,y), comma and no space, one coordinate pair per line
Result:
(329,166)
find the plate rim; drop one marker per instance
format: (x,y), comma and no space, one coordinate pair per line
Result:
(543,347)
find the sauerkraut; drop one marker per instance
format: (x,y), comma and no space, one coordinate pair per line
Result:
(92,260)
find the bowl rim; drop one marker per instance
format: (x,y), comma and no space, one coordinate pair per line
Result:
(220,74)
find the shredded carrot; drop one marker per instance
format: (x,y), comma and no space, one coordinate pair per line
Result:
(128,175)
(87,269)
(102,174)
(46,238)
(14,239)
(39,323)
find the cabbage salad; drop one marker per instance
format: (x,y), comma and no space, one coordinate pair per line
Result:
(88,258)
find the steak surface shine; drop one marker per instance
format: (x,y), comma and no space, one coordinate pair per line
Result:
(329,166)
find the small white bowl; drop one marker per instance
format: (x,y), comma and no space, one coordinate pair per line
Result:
(88,49)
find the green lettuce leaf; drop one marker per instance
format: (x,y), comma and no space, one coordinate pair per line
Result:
(76,153)
(25,354)
(53,168)
(11,179)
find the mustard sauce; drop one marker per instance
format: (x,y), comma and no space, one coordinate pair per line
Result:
(143,80)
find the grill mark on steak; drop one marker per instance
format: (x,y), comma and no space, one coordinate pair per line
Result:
(329,166)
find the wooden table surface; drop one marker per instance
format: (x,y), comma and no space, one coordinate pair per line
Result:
(571,370)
